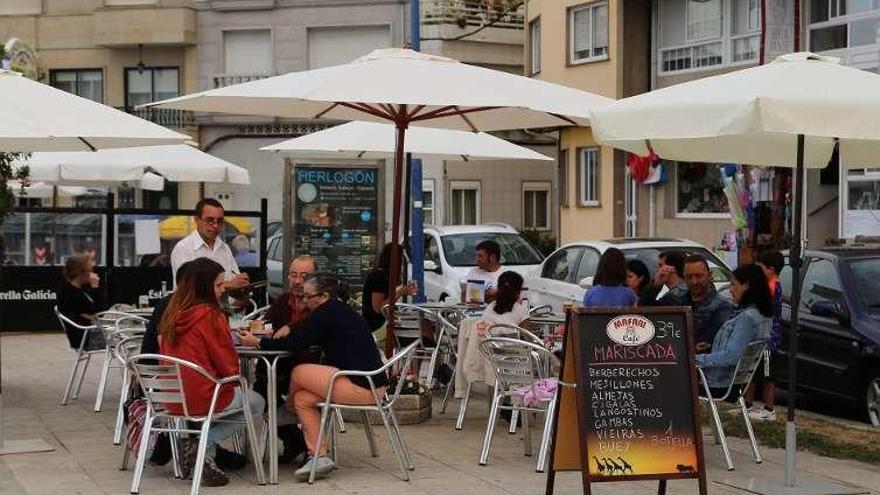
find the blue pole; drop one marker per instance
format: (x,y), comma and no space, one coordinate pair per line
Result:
(417,240)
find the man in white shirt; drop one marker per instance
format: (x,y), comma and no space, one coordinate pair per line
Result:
(205,242)
(488,267)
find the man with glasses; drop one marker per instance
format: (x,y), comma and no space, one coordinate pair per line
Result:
(206,242)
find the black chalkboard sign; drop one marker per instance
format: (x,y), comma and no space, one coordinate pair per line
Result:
(634,406)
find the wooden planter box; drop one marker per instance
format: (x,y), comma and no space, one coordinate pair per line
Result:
(409,409)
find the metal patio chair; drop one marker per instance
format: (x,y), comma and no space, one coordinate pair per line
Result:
(125,349)
(162,384)
(83,354)
(114,326)
(384,407)
(517,365)
(450,318)
(408,327)
(497,330)
(742,377)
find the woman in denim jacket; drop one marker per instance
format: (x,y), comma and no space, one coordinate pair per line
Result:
(751,323)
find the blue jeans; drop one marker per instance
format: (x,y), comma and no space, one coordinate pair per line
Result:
(221,431)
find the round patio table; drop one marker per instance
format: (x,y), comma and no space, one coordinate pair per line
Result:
(270,359)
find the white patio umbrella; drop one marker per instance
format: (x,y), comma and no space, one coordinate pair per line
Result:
(142,164)
(38,117)
(371,140)
(789,113)
(405,88)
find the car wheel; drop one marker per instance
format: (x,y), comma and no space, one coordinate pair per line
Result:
(872,398)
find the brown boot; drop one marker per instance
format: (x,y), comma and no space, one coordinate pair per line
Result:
(213,475)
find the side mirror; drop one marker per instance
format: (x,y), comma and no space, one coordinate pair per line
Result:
(586,282)
(431,266)
(825,309)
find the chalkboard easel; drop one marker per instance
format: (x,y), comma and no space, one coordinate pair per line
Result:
(632,413)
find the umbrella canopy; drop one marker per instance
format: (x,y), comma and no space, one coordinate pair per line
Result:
(791,112)
(406,88)
(180,226)
(394,84)
(754,115)
(376,141)
(144,164)
(38,117)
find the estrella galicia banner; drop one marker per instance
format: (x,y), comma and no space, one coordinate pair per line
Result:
(335,219)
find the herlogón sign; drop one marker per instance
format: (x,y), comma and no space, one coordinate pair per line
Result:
(633,408)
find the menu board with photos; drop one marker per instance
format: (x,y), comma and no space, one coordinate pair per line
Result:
(336,218)
(634,412)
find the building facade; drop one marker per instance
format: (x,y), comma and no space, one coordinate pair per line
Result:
(622,48)
(122,53)
(600,47)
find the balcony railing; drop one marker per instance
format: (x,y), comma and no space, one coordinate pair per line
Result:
(167,117)
(503,14)
(223,80)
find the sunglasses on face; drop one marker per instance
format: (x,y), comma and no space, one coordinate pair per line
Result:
(309,296)
(301,275)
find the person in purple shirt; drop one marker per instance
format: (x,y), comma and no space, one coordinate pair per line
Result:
(609,284)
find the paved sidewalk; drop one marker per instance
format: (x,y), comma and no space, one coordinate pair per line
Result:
(85,461)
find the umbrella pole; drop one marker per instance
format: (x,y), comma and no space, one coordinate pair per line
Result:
(394,271)
(796,261)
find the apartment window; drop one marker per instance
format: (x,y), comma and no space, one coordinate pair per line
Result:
(838,24)
(588,32)
(588,180)
(700,191)
(247,51)
(693,35)
(88,83)
(703,19)
(535,46)
(745,38)
(340,45)
(428,201)
(536,205)
(151,84)
(464,208)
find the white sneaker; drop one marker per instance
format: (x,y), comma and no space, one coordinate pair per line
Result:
(762,415)
(736,411)
(324,466)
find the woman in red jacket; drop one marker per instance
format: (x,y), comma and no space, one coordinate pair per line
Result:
(195,328)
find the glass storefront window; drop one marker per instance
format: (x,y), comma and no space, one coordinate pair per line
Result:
(700,191)
(45,239)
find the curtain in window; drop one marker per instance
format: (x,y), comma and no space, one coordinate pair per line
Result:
(703,19)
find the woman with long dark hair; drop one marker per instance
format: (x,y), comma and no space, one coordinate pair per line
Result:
(638,278)
(194,327)
(751,323)
(507,306)
(609,284)
(376,292)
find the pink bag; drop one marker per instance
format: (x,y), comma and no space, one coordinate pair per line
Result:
(541,391)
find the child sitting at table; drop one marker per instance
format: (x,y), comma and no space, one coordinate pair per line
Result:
(195,328)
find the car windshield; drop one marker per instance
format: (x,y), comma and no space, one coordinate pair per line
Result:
(648,256)
(460,249)
(866,276)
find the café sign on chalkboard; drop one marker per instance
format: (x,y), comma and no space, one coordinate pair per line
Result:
(632,414)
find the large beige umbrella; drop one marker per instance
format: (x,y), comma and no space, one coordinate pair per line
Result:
(789,113)
(405,88)
(38,117)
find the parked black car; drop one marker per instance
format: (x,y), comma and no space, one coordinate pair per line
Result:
(839,337)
